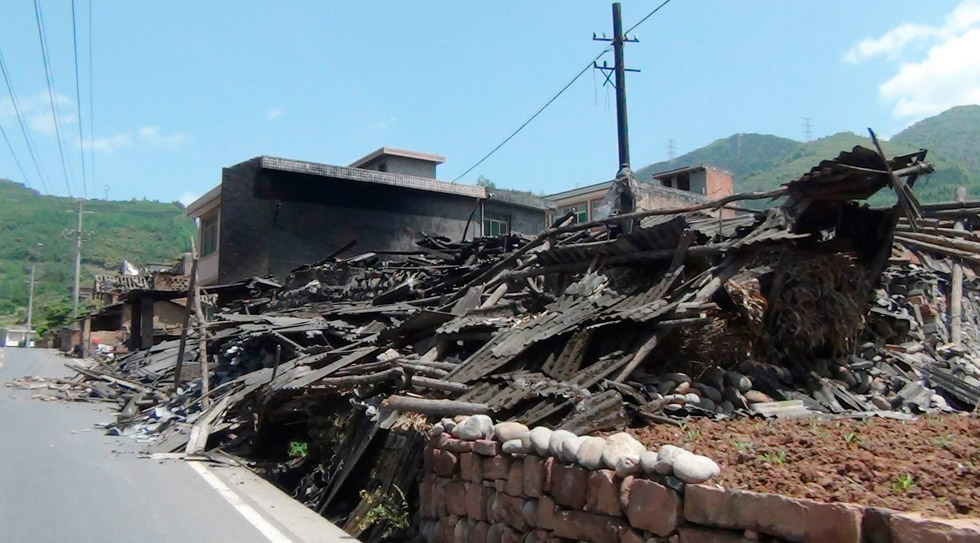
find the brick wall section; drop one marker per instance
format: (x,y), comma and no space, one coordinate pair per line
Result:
(471,492)
(245,225)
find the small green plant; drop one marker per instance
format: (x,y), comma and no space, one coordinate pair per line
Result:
(742,445)
(390,508)
(693,435)
(298,449)
(943,441)
(777,458)
(903,482)
(851,438)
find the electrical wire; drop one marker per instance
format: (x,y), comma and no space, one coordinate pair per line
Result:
(13,154)
(31,148)
(555,97)
(91,99)
(39,19)
(78,101)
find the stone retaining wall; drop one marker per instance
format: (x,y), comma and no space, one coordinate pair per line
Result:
(472,492)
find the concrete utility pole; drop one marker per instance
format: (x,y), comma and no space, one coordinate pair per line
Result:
(956,288)
(78,232)
(30,307)
(619,70)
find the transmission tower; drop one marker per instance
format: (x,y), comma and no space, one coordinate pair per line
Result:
(671,149)
(807,128)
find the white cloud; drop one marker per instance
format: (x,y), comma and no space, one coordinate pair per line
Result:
(894,42)
(938,66)
(108,145)
(383,124)
(274,113)
(144,136)
(949,76)
(36,111)
(188,197)
(153,136)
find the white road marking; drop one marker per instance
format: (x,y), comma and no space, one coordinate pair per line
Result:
(250,514)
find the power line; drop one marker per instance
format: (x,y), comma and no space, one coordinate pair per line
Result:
(78,101)
(13,154)
(31,148)
(91,97)
(39,19)
(555,97)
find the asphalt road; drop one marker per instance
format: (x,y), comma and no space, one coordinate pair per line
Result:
(62,480)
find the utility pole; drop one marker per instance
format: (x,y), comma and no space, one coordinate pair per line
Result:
(105,189)
(30,307)
(78,232)
(619,70)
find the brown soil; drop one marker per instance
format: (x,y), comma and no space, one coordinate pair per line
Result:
(929,465)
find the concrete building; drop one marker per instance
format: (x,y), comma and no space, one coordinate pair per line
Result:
(674,188)
(16,336)
(271,215)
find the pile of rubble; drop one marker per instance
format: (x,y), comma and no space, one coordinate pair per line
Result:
(817,306)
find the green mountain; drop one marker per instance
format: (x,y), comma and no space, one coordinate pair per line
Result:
(954,133)
(31,230)
(762,162)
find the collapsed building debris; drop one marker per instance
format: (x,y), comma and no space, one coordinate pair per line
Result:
(819,306)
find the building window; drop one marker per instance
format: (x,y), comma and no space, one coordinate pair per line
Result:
(209,234)
(383,167)
(665,181)
(496,224)
(581,212)
(684,181)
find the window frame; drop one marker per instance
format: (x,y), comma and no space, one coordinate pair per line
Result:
(209,234)
(496,220)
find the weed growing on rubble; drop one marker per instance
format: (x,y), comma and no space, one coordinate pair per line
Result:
(851,438)
(777,458)
(298,449)
(943,441)
(389,508)
(742,445)
(903,482)
(693,435)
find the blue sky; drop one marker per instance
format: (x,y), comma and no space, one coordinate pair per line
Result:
(182,89)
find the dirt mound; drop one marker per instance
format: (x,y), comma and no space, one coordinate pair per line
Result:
(929,465)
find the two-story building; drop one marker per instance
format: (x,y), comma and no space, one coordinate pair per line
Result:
(680,187)
(271,215)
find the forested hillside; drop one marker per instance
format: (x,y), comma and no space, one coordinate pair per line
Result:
(32,228)
(763,162)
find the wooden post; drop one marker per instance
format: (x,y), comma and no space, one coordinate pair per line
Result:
(956,296)
(202,340)
(187,322)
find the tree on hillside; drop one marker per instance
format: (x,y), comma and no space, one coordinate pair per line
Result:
(484,182)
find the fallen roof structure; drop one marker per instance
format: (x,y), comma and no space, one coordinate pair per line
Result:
(818,307)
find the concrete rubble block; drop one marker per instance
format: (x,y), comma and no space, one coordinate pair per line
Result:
(624,492)
(654,507)
(486,447)
(496,467)
(478,498)
(589,527)
(506,431)
(618,445)
(471,467)
(533,476)
(444,463)
(589,453)
(910,527)
(515,479)
(475,427)
(546,513)
(602,495)
(459,446)
(569,485)
(629,535)
(478,533)
(456,498)
(700,534)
